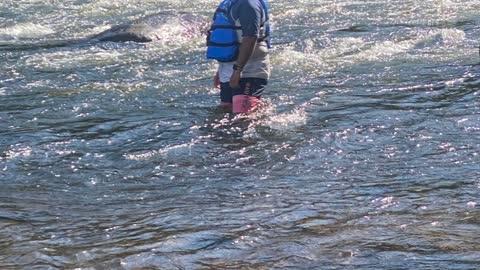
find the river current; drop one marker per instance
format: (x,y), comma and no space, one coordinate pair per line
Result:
(365,156)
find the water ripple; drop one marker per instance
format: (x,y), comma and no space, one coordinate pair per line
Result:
(364,156)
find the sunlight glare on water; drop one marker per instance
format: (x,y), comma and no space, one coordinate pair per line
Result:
(364,155)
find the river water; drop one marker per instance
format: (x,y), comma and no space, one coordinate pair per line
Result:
(365,156)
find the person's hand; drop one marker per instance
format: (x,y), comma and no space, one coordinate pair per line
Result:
(235,79)
(216,81)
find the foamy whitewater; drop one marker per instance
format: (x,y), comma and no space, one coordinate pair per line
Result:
(364,155)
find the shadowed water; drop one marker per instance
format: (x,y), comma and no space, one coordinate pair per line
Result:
(365,155)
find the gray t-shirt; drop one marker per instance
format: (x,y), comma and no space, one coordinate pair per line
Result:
(249,15)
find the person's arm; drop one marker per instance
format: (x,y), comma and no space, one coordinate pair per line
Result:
(216,80)
(249,16)
(246,50)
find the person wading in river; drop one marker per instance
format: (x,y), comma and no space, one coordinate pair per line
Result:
(239,39)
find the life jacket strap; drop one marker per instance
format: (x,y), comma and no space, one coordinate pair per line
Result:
(225,27)
(212,43)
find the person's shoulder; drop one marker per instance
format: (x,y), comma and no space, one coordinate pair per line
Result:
(247,8)
(248,2)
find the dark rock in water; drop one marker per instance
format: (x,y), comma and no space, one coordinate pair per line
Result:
(154,26)
(166,26)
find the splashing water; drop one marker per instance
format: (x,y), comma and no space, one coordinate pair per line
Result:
(365,154)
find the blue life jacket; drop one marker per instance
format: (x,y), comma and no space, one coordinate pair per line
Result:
(222,40)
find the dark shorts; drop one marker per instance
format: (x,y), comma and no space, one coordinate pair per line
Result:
(248,86)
